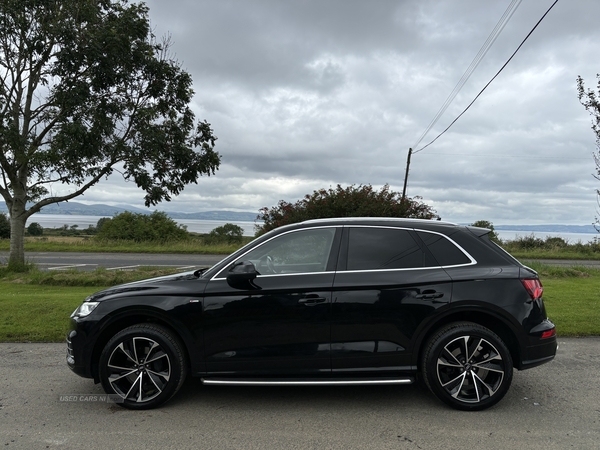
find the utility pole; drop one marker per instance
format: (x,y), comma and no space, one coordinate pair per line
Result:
(406,174)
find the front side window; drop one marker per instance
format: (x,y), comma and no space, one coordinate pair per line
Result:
(303,251)
(382,248)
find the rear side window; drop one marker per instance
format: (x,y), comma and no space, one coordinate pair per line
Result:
(443,250)
(382,248)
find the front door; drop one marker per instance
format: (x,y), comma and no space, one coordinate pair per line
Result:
(281,325)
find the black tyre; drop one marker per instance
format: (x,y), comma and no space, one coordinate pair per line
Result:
(144,365)
(467,366)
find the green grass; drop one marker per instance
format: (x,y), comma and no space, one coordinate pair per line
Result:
(553,254)
(83,244)
(572,298)
(33,313)
(35,306)
(98,277)
(573,304)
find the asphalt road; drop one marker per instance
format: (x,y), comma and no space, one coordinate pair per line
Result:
(124,261)
(555,406)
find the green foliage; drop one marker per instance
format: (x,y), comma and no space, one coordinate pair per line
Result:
(35,229)
(551,247)
(228,233)
(18,267)
(87,87)
(490,226)
(352,201)
(4,226)
(591,101)
(101,223)
(137,227)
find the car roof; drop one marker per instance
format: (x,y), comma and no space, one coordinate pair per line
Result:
(398,221)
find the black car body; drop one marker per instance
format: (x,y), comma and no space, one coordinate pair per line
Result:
(332,301)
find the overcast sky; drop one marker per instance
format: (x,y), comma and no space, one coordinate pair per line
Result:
(307,94)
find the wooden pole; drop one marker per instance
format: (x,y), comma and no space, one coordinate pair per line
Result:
(406,174)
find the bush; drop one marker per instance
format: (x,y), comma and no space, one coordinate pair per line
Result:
(228,233)
(551,244)
(4,226)
(490,226)
(155,227)
(528,242)
(35,229)
(101,223)
(353,201)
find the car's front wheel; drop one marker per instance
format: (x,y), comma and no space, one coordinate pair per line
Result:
(144,365)
(467,366)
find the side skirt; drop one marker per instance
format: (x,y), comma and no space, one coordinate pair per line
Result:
(306,382)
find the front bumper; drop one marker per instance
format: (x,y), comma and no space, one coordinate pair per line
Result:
(79,356)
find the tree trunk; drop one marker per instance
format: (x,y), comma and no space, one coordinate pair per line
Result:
(18,218)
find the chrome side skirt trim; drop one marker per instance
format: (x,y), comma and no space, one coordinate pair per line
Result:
(323,382)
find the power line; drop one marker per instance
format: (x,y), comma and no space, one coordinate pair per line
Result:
(478,58)
(489,82)
(509,156)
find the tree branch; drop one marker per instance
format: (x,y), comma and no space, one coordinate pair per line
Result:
(48,201)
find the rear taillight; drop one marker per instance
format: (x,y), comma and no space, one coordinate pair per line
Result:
(534,288)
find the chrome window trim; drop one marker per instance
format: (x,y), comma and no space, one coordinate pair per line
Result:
(472,260)
(214,278)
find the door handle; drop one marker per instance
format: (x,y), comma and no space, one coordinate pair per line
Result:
(311,300)
(429,294)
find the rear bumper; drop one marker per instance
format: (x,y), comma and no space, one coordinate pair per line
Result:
(539,351)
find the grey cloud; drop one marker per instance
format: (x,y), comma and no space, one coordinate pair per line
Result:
(308,94)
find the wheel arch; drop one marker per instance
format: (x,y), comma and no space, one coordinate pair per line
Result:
(490,321)
(130,317)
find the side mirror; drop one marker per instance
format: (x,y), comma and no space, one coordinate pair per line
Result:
(242,275)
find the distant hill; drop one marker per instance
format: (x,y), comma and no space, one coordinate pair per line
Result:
(80,209)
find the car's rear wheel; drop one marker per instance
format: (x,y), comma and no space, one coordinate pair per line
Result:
(144,365)
(467,366)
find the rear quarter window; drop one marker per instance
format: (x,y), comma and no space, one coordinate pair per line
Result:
(443,250)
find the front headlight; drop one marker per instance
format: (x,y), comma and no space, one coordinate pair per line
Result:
(85,309)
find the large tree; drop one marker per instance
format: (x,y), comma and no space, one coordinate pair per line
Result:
(351,201)
(591,101)
(86,90)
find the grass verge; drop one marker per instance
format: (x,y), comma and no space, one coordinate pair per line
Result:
(83,244)
(36,305)
(33,313)
(572,298)
(98,278)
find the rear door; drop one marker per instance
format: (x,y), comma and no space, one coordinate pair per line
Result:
(386,285)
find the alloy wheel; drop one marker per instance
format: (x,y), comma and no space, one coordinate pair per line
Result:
(470,369)
(138,369)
